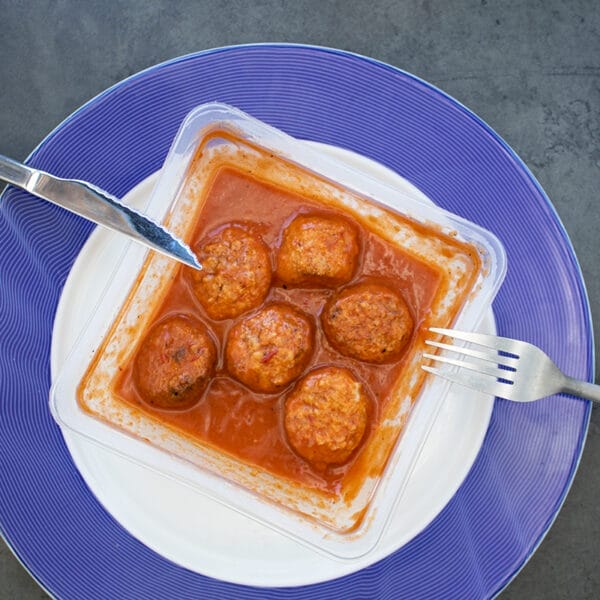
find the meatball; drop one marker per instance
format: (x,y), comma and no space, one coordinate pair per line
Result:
(318,250)
(236,273)
(175,363)
(269,349)
(369,322)
(326,416)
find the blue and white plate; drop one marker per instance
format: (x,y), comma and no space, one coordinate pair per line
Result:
(496,519)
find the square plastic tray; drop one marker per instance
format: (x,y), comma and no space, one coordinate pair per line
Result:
(83,398)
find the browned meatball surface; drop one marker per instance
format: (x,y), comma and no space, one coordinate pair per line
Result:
(175,363)
(318,250)
(368,321)
(236,273)
(269,349)
(326,415)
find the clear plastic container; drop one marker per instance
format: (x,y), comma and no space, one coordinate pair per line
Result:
(84,400)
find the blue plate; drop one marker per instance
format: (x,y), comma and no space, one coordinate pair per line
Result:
(499,515)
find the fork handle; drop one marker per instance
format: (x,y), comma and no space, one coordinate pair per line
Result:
(582,389)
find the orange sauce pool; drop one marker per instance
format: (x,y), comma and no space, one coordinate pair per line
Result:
(231,417)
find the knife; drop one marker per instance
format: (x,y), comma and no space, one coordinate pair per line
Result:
(92,203)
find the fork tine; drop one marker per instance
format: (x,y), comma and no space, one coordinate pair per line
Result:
(479,368)
(475,381)
(494,357)
(491,341)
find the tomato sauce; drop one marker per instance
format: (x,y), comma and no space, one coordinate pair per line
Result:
(231,417)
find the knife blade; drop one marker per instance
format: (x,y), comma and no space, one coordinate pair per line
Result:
(94,204)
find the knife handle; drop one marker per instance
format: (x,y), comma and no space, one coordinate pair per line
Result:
(14,172)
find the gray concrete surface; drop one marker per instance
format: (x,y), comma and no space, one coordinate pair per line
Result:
(530,68)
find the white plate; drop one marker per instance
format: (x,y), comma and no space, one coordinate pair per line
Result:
(201,534)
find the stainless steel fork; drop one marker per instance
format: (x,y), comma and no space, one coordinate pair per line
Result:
(504,367)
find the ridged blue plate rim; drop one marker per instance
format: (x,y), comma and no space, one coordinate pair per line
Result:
(513,493)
